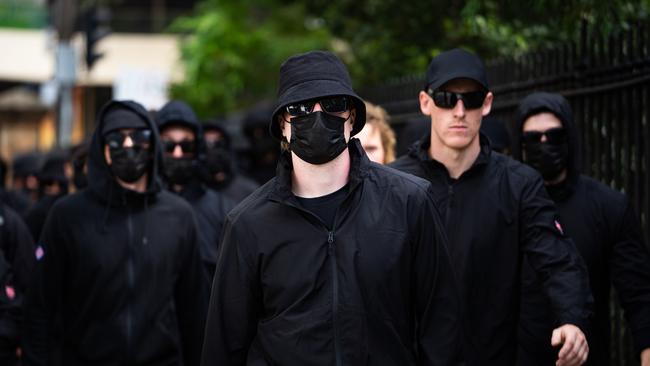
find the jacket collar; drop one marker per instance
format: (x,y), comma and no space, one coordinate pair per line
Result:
(420,151)
(359,164)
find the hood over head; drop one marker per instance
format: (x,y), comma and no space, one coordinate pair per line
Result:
(178,112)
(100,178)
(558,105)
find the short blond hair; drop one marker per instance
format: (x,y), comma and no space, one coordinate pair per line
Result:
(379,118)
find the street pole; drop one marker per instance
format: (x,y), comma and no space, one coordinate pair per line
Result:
(64,15)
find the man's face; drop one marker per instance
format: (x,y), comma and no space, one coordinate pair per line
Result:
(457,127)
(212,137)
(178,141)
(541,122)
(348,115)
(370,138)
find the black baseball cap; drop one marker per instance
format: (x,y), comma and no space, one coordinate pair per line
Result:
(455,64)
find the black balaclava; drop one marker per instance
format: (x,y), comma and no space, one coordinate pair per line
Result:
(127,164)
(318,137)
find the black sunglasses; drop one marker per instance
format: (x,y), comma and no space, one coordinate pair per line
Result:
(554,136)
(448,100)
(140,138)
(337,104)
(187,146)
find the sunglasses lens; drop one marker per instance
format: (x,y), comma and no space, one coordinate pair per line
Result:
(473,100)
(443,99)
(300,109)
(556,136)
(168,146)
(141,137)
(532,137)
(114,140)
(334,104)
(187,146)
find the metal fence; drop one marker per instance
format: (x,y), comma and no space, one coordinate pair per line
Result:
(607,81)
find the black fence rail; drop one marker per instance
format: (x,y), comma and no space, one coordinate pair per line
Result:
(607,81)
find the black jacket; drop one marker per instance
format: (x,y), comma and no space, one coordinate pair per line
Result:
(210,208)
(377,289)
(37,214)
(16,264)
(494,213)
(607,234)
(119,280)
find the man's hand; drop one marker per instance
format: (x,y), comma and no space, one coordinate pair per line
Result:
(645,357)
(575,348)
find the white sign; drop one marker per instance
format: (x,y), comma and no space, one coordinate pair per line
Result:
(147,87)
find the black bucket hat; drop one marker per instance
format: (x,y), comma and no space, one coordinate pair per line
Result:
(455,64)
(313,75)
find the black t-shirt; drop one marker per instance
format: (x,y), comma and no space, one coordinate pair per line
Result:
(325,206)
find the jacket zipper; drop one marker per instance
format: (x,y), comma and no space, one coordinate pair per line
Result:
(335,279)
(450,199)
(131,285)
(335,297)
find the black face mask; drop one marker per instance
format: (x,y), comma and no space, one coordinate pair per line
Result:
(548,159)
(318,137)
(217,160)
(129,164)
(178,170)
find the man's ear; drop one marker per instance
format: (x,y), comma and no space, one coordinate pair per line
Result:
(425,103)
(487,104)
(353,116)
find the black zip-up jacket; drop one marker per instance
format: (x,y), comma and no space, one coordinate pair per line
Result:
(210,208)
(606,232)
(494,213)
(16,264)
(376,289)
(118,279)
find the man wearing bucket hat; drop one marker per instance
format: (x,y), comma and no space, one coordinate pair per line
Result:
(336,260)
(495,210)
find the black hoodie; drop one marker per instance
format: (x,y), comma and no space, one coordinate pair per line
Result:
(210,207)
(607,234)
(118,277)
(494,213)
(376,289)
(16,264)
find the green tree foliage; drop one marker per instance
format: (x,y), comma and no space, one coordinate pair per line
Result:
(235,47)
(233,50)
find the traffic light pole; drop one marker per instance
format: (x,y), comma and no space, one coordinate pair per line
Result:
(65,76)
(64,16)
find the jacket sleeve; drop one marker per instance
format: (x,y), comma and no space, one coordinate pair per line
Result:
(21,256)
(191,296)
(630,271)
(437,302)
(42,305)
(554,257)
(233,312)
